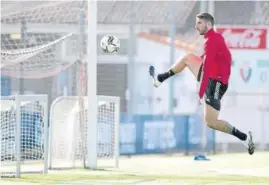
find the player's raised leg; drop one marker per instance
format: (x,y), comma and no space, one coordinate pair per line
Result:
(212,121)
(192,61)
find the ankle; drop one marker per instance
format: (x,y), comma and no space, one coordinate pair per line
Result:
(240,135)
(163,76)
(171,72)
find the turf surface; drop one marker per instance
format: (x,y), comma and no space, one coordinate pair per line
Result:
(230,169)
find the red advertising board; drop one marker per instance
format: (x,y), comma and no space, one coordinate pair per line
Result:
(244,38)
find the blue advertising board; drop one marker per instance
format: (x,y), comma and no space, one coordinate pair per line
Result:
(149,134)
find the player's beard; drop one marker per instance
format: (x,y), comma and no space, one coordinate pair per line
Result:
(203,31)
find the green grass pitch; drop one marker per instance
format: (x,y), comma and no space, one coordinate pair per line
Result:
(225,169)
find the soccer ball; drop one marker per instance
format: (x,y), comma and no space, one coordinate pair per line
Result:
(110,44)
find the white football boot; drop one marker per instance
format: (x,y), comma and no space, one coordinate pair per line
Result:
(156,82)
(249,143)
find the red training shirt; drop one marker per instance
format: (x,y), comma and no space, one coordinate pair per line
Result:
(217,60)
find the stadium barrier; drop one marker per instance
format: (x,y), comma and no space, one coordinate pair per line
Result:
(151,134)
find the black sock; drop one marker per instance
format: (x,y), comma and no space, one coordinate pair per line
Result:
(240,135)
(164,76)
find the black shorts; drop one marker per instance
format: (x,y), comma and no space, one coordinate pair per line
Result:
(214,91)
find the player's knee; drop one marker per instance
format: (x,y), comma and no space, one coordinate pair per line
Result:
(189,56)
(210,122)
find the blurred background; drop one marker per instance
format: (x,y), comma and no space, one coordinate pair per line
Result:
(44,46)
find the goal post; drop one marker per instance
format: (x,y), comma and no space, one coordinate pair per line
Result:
(92,83)
(69,145)
(24,135)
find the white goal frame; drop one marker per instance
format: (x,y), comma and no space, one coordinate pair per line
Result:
(18,99)
(91,133)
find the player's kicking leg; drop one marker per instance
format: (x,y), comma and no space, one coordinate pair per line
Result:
(191,61)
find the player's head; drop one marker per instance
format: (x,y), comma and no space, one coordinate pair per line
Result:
(204,22)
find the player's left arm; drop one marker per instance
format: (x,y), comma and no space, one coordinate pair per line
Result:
(210,54)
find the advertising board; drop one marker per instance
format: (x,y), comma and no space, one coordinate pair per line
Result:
(149,134)
(244,38)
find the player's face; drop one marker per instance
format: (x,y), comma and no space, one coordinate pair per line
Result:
(201,26)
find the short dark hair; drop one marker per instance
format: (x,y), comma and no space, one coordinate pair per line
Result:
(207,17)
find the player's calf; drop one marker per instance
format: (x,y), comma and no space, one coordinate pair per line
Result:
(225,127)
(220,125)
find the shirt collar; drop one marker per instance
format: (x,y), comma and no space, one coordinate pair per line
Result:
(209,33)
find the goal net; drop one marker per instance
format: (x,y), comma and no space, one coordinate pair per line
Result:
(69,133)
(23,135)
(43,39)
(35,36)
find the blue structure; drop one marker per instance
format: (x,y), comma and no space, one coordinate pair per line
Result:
(149,134)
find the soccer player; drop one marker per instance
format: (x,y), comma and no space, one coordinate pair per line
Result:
(212,70)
